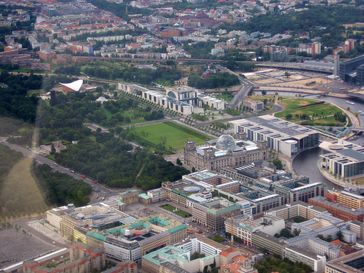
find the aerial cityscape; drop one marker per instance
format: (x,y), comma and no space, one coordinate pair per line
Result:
(181,136)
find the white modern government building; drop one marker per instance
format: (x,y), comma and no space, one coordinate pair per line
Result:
(184,99)
(282,136)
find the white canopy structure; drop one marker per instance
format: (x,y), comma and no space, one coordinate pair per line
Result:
(74,86)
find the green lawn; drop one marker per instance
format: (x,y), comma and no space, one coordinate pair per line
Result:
(226,96)
(176,211)
(170,133)
(318,114)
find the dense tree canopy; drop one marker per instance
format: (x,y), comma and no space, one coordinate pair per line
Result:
(119,71)
(273,264)
(14,98)
(213,81)
(108,159)
(61,189)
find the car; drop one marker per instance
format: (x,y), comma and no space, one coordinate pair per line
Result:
(72,171)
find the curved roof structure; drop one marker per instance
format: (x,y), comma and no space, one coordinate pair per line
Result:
(75,86)
(226,142)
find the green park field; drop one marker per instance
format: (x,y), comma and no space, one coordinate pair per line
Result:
(171,134)
(311,112)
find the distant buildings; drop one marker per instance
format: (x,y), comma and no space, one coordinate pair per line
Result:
(310,49)
(280,135)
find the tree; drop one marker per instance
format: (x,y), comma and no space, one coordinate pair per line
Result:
(289,116)
(278,163)
(179,162)
(53,149)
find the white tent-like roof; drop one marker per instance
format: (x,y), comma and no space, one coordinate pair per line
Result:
(75,86)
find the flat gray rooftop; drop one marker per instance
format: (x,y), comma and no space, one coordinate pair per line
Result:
(280,125)
(359,156)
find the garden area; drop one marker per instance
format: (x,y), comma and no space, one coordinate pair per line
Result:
(169,134)
(176,211)
(311,112)
(274,264)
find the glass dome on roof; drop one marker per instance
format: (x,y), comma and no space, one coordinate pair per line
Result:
(226,142)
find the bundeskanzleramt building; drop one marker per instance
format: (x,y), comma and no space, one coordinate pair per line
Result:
(282,136)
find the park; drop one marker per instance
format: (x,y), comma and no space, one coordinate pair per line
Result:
(170,134)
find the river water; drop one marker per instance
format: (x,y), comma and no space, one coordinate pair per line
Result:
(306,162)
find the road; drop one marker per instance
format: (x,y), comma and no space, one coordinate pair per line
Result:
(245,89)
(102,191)
(327,68)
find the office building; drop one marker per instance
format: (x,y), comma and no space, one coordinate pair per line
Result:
(298,255)
(78,259)
(352,263)
(211,102)
(131,242)
(280,135)
(342,161)
(73,223)
(191,256)
(351,70)
(212,213)
(298,209)
(345,198)
(338,210)
(242,229)
(253,105)
(268,243)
